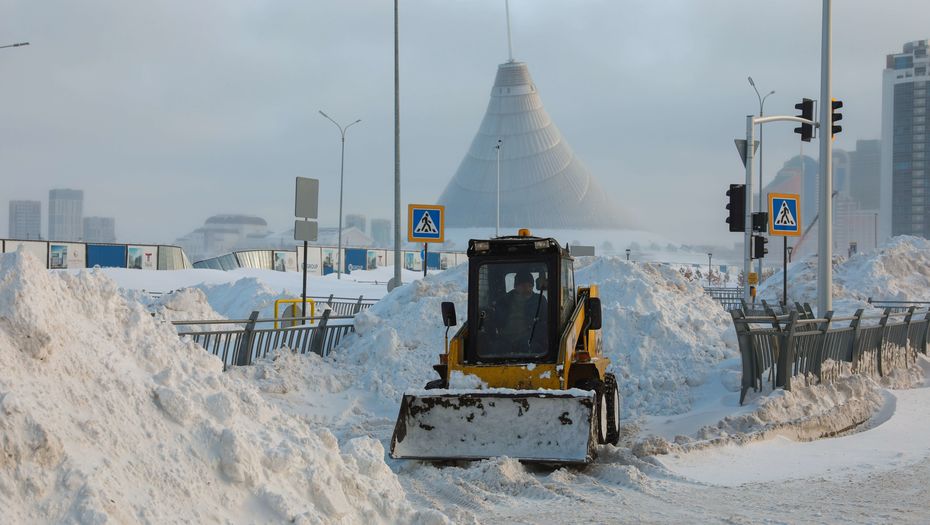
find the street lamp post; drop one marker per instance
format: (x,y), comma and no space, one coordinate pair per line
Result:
(342,133)
(710,257)
(497,229)
(761,114)
(17,44)
(628,254)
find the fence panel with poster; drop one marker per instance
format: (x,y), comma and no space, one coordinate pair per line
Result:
(62,255)
(38,249)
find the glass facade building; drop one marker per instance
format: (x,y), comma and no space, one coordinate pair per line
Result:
(905,206)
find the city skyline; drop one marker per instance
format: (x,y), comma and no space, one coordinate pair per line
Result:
(218,122)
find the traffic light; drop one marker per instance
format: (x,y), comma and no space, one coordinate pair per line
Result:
(835,117)
(758,249)
(760,221)
(807,112)
(737,207)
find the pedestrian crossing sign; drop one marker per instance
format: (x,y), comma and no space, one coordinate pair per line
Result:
(784,214)
(425,223)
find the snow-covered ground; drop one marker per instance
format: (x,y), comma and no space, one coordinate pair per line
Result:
(107,415)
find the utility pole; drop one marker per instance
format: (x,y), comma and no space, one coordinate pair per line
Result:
(825,231)
(761,146)
(397,280)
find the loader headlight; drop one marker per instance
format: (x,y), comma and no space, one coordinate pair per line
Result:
(481,246)
(541,245)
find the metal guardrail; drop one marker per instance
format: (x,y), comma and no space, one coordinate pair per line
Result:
(784,346)
(242,346)
(729,298)
(344,305)
(897,306)
(732,299)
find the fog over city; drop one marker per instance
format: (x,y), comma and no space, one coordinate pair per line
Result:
(166,113)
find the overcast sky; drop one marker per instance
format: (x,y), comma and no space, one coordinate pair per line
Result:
(168,112)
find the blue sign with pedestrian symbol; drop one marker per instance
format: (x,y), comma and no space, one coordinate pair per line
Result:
(784,214)
(425,223)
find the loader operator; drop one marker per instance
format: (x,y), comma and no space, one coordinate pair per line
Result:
(524,327)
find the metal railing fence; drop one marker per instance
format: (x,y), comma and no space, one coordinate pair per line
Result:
(782,346)
(729,298)
(344,305)
(897,306)
(243,344)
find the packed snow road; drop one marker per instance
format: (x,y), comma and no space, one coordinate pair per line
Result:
(881,475)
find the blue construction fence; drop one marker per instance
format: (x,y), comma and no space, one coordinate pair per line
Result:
(71,255)
(322,260)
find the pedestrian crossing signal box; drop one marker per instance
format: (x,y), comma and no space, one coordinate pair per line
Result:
(426,223)
(784,214)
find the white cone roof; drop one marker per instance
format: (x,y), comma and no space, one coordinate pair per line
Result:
(543,183)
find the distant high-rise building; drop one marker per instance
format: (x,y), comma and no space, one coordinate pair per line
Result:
(99,229)
(25,220)
(65,215)
(356,220)
(865,173)
(905,182)
(381,232)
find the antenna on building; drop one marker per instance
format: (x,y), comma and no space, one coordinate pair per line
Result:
(509,43)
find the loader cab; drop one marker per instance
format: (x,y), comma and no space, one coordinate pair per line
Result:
(521,294)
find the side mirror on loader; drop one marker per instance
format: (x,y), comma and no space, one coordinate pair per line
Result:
(448,314)
(594,313)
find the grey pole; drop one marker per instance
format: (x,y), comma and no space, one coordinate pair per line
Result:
(761,145)
(398,280)
(825,231)
(747,235)
(497,229)
(18,44)
(342,164)
(710,256)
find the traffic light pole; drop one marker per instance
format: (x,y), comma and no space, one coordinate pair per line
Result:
(751,123)
(825,230)
(747,230)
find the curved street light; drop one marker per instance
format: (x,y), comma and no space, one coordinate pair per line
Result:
(761,114)
(18,44)
(342,133)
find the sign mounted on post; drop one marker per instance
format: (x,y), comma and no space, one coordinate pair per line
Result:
(784,214)
(425,223)
(307,197)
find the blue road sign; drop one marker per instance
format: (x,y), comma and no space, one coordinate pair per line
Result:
(425,223)
(784,214)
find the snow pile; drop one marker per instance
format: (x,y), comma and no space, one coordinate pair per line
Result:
(663,334)
(237,300)
(899,271)
(400,338)
(809,411)
(106,415)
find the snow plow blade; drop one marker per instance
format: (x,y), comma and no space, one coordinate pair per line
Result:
(553,426)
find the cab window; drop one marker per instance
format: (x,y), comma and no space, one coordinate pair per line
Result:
(513,310)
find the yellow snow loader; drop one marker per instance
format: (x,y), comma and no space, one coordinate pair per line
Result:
(524,376)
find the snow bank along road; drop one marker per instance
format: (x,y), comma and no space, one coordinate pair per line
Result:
(105,415)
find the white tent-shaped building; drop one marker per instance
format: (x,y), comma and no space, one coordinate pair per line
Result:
(543,184)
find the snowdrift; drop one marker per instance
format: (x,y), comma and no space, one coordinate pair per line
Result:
(664,335)
(106,415)
(899,270)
